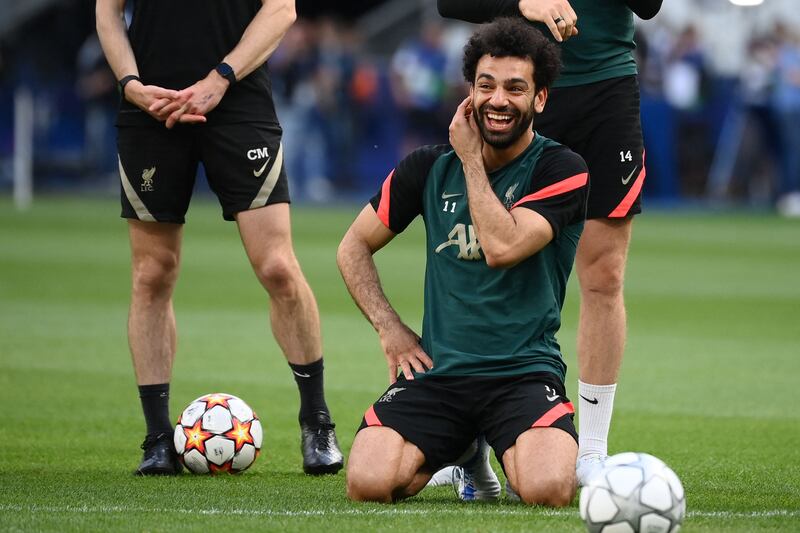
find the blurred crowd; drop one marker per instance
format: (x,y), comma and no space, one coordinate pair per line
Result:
(722,137)
(349,114)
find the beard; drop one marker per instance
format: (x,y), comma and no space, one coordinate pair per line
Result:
(503,140)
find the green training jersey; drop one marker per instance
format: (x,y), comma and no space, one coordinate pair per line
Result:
(479,320)
(602,50)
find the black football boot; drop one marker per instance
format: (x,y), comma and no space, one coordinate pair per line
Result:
(159,457)
(321,454)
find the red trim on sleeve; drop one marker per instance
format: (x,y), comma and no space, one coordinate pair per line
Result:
(625,205)
(547,419)
(371,418)
(383,206)
(566,185)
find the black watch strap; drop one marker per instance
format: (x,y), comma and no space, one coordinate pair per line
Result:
(126,80)
(226,71)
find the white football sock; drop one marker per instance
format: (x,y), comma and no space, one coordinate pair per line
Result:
(595,406)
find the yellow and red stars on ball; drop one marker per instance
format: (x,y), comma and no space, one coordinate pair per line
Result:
(216,399)
(240,433)
(196,438)
(224,467)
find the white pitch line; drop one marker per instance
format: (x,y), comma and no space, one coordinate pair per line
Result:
(460,510)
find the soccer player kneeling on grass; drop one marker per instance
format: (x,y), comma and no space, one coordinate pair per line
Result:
(503,209)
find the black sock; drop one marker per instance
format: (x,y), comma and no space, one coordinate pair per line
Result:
(155,404)
(309,383)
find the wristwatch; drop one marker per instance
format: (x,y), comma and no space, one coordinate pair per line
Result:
(226,71)
(125,80)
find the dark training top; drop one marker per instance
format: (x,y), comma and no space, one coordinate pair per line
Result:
(603,48)
(178,42)
(478,320)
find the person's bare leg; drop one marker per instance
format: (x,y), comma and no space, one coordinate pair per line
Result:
(600,263)
(294,317)
(152,336)
(384,467)
(155,260)
(266,234)
(541,467)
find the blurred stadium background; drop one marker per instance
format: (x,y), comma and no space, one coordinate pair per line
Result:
(711,368)
(359,83)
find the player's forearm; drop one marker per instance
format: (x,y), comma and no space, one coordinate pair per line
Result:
(262,36)
(113,37)
(644,9)
(478,11)
(495,227)
(360,275)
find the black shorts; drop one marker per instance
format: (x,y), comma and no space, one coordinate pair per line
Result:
(600,121)
(442,415)
(243,164)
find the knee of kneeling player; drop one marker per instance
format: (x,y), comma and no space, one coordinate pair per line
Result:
(553,492)
(362,487)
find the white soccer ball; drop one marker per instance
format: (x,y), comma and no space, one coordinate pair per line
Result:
(218,433)
(633,492)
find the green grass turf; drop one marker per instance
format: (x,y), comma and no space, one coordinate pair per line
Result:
(709,383)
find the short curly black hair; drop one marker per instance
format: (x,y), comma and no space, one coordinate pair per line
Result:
(513,37)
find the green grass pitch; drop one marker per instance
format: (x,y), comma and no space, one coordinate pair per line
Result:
(709,383)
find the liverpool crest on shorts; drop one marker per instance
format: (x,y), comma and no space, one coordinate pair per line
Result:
(147,179)
(390,394)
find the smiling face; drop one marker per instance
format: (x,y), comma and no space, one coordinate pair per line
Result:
(504,99)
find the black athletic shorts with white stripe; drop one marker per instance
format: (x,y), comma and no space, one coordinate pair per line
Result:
(442,415)
(243,164)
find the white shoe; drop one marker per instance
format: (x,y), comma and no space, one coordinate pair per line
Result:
(442,478)
(789,205)
(472,487)
(475,479)
(589,465)
(511,494)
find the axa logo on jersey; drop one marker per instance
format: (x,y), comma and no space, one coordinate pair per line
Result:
(463,237)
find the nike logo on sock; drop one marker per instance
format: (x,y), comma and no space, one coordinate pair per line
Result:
(593,402)
(309,375)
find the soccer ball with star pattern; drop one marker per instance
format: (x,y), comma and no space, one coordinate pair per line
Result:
(218,433)
(633,492)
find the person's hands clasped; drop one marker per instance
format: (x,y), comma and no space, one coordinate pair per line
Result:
(153,99)
(465,137)
(403,352)
(203,97)
(557,15)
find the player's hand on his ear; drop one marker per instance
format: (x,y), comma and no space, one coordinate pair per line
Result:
(465,137)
